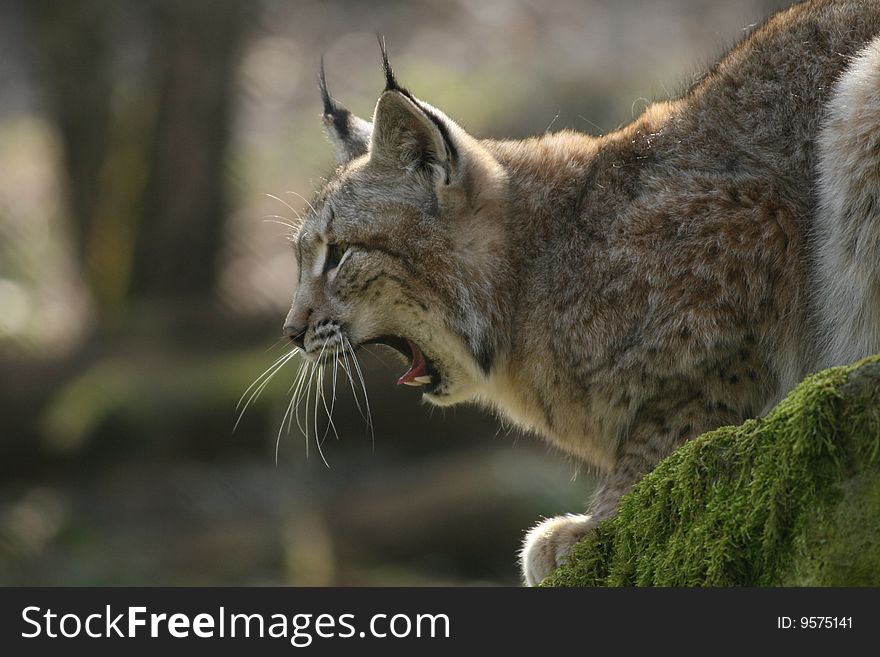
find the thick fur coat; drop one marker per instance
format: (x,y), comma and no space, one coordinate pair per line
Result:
(617,295)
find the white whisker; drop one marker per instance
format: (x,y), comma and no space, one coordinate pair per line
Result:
(297,392)
(329,411)
(304,199)
(306,412)
(281,428)
(289,206)
(309,380)
(318,393)
(346,368)
(288,413)
(266,377)
(333,385)
(372,354)
(278,219)
(265,372)
(291,233)
(278,343)
(360,374)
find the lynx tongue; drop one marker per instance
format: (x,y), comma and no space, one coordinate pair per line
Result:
(417,375)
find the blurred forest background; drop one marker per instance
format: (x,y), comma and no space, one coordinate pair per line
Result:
(141,289)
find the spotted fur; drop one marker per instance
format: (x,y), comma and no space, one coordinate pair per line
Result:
(619,295)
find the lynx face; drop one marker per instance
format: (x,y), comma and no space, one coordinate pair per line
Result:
(391,248)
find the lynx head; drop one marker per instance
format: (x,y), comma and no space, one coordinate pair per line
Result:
(404,246)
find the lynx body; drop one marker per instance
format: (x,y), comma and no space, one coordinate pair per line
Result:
(617,295)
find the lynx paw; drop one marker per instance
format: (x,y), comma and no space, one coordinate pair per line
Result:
(547,545)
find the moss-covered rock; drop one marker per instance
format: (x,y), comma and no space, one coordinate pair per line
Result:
(790,499)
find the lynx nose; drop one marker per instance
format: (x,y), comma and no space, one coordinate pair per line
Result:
(295,334)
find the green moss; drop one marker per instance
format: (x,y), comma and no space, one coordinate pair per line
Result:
(793,498)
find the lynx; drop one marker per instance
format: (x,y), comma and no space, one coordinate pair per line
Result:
(617,295)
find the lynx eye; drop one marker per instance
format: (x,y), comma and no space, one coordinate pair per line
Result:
(335,254)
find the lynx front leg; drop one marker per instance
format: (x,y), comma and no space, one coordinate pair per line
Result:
(548,544)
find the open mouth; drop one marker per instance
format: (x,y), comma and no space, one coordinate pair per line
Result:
(421,372)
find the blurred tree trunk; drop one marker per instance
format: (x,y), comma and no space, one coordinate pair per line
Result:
(72,36)
(145,172)
(185,203)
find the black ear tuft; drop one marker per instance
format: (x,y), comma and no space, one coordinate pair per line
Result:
(390,81)
(332,110)
(325,94)
(349,134)
(448,153)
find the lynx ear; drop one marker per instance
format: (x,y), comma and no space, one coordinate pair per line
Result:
(349,134)
(404,133)
(411,133)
